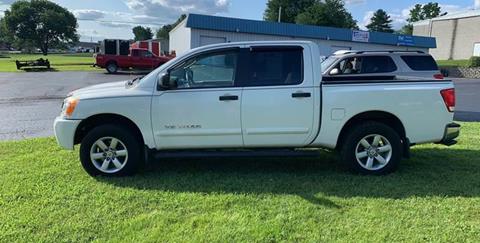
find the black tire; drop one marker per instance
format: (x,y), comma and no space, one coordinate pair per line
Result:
(352,144)
(132,162)
(112,67)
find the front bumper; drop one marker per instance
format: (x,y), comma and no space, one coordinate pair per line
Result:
(452,131)
(65,131)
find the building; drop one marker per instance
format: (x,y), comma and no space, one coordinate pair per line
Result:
(458,35)
(199,30)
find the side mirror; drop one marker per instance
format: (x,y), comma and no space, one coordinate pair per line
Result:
(334,72)
(164,82)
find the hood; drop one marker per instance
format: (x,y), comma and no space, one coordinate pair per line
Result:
(101,90)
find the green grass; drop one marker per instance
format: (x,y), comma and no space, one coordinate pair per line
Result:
(59,62)
(45,196)
(452,63)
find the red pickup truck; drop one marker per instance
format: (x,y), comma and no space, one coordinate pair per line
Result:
(138,59)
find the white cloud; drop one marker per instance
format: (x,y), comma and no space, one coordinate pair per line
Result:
(89,14)
(477,4)
(167,11)
(355,2)
(6,2)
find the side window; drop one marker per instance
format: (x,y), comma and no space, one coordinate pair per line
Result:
(366,65)
(206,71)
(420,63)
(378,64)
(270,67)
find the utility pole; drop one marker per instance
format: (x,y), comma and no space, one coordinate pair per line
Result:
(280,14)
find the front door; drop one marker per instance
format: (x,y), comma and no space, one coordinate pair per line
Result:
(203,110)
(278,98)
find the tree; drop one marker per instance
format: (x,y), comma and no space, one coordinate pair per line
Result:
(290,9)
(41,22)
(141,33)
(164,32)
(380,22)
(422,12)
(328,13)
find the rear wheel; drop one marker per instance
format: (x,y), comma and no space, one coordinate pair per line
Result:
(372,148)
(112,67)
(111,150)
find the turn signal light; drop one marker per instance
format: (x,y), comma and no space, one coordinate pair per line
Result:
(70,106)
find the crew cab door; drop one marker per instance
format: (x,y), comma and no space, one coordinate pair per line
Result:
(278,98)
(203,109)
(143,59)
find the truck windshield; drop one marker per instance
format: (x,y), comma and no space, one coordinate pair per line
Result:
(328,62)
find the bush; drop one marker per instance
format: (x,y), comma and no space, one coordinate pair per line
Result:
(474,62)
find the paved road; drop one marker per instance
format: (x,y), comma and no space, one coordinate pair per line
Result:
(29,102)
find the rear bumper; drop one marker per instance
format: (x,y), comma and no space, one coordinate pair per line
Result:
(65,132)
(452,131)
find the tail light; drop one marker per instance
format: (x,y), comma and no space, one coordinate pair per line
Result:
(438,76)
(448,96)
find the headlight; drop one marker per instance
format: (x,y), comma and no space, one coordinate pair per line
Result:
(69,106)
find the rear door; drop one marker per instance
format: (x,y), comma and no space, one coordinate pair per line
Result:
(420,66)
(278,97)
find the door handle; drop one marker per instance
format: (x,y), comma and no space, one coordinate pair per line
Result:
(301,95)
(228,97)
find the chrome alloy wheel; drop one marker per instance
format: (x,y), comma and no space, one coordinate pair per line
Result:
(373,152)
(109,155)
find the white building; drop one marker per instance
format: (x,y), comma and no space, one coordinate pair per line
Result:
(198,30)
(457,34)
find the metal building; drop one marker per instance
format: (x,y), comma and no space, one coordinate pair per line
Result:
(198,30)
(457,34)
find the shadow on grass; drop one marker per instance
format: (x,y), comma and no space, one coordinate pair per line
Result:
(430,172)
(34,70)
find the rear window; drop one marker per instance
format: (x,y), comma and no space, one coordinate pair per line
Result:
(378,64)
(420,63)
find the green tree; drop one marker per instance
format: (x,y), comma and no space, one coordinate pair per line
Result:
(422,12)
(41,22)
(328,13)
(141,33)
(380,22)
(163,33)
(6,37)
(290,9)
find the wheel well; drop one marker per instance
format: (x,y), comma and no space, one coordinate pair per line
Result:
(378,116)
(111,61)
(88,124)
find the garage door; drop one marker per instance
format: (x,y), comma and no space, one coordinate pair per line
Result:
(208,40)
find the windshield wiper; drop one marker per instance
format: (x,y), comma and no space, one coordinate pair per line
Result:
(133,81)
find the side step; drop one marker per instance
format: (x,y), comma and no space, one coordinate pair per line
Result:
(234,153)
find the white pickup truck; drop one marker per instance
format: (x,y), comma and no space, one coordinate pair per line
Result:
(254,96)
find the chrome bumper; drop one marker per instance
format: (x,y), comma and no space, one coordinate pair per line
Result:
(452,131)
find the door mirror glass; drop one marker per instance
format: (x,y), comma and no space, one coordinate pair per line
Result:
(164,82)
(334,72)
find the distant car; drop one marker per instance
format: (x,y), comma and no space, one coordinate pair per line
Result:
(138,59)
(381,63)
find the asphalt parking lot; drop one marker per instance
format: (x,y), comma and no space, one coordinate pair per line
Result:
(29,102)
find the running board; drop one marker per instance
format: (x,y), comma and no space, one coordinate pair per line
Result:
(235,153)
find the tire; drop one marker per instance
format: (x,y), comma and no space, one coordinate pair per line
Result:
(112,68)
(123,159)
(372,148)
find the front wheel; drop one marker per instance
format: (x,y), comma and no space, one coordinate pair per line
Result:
(110,150)
(372,148)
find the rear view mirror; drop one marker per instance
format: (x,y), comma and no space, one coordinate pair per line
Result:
(334,71)
(164,82)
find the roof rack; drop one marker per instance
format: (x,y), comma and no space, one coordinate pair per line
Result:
(389,51)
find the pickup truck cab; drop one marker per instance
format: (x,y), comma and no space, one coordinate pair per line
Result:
(138,59)
(251,96)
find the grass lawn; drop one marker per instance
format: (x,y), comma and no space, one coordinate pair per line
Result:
(46,196)
(452,63)
(59,62)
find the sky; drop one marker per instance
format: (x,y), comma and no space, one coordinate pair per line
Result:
(100,19)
